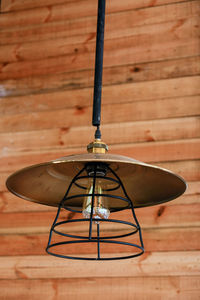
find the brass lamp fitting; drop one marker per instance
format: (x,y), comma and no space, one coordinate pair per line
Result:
(97,147)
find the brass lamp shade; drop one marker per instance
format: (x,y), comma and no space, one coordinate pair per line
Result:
(46,183)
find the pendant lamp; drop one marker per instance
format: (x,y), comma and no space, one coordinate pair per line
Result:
(93,186)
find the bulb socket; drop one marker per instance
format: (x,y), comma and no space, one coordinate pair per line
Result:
(101,169)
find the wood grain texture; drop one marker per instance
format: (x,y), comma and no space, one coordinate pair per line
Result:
(177,215)
(15,5)
(64,9)
(81,99)
(176,287)
(164,45)
(122,24)
(129,132)
(32,267)
(156,239)
(11,203)
(187,66)
(135,111)
(189,170)
(149,152)
(150,111)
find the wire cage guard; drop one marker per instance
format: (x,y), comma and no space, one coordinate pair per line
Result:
(94,172)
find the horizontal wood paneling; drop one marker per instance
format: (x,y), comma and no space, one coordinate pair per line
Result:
(188,66)
(180,288)
(161,151)
(15,5)
(150,152)
(165,239)
(117,25)
(66,10)
(150,112)
(10,203)
(177,215)
(164,45)
(128,132)
(26,267)
(81,99)
(128,112)
(189,170)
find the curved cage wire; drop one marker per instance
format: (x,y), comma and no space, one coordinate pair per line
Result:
(95,171)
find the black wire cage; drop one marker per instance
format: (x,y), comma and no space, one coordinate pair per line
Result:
(113,198)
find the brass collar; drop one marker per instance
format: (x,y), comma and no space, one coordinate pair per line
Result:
(97,147)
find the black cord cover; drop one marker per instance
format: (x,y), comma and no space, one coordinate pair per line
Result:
(98,67)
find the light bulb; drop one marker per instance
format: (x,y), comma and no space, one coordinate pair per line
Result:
(100,208)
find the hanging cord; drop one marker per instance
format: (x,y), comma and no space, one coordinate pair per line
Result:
(98,68)
(97,133)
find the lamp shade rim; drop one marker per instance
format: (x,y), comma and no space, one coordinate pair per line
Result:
(46,183)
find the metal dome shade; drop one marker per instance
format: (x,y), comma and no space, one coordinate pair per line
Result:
(145,184)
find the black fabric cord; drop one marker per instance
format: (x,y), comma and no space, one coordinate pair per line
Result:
(98,67)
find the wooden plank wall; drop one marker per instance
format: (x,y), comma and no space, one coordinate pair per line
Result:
(150,112)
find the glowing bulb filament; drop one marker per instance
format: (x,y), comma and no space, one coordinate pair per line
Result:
(100,207)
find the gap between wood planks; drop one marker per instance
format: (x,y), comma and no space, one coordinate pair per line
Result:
(187,263)
(9,6)
(150,71)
